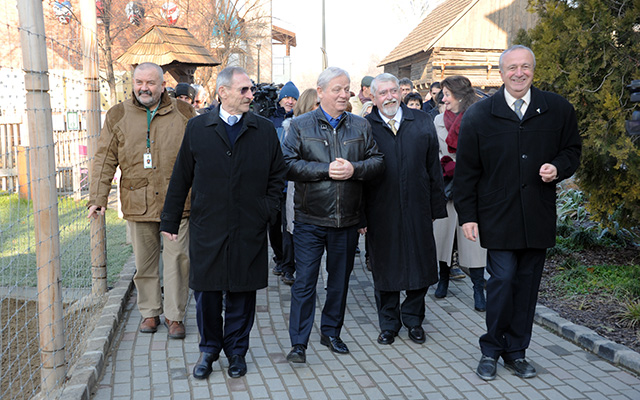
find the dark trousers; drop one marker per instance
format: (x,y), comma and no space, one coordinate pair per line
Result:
(392,315)
(512,293)
(310,242)
(232,335)
(288,258)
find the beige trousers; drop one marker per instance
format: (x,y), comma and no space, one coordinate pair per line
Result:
(147,246)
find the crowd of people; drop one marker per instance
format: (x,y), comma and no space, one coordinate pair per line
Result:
(427,181)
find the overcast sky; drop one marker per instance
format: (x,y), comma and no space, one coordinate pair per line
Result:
(359,33)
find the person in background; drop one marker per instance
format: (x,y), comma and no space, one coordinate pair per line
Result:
(400,206)
(434,89)
(200,98)
(513,148)
(439,109)
(142,135)
(329,153)
(406,87)
(185,92)
(458,96)
(287,99)
(232,163)
(363,96)
(308,101)
(413,100)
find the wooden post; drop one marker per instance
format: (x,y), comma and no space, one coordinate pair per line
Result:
(24,186)
(92,89)
(45,201)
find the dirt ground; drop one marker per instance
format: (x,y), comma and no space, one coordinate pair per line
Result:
(597,310)
(19,346)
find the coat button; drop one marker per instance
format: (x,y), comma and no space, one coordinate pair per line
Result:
(524,156)
(229,153)
(157,193)
(524,185)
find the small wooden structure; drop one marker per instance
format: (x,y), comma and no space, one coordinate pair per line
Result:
(283,36)
(460,37)
(173,48)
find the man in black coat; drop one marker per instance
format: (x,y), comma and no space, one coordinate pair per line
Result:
(329,153)
(513,149)
(400,206)
(232,162)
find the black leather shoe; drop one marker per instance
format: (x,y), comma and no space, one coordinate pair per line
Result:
(237,366)
(521,368)
(417,334)
(334,343)
(203,368)
(487,368)
(387,337)
(297,354)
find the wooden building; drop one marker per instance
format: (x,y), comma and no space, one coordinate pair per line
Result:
(460,37)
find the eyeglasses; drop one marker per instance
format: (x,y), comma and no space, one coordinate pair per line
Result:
(245,89)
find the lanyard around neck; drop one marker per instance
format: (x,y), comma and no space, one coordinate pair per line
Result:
(150,115)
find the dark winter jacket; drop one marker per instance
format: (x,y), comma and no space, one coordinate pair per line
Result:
(401,203)
(236,192)
(309,147)
(497,182)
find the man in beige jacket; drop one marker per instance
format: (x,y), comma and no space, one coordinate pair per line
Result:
(142,135)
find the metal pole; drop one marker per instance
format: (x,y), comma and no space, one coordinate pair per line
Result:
(259,45)
(325,61)
(92,89)
(45,201)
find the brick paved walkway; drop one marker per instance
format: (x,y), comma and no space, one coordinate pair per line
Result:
(144,366)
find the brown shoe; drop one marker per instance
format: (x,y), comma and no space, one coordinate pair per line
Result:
(150,325)
(176,329)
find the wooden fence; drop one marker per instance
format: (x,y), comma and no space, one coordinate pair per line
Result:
(71,157)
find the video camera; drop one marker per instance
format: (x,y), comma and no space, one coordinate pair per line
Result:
(633,126)
(265,99)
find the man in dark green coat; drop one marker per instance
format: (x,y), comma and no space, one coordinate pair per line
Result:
(232,162)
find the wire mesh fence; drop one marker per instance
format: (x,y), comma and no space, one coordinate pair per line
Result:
(46,300)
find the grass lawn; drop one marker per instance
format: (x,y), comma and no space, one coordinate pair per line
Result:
(17,243)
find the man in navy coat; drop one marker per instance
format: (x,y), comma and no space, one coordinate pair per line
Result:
(513,149)
(232,162)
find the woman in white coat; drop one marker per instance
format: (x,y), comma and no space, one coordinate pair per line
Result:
(458,96)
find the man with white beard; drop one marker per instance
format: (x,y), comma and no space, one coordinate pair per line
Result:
(400,206)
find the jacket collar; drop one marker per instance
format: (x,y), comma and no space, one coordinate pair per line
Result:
(166,103)
(500,108)
(213,119)
(321,117)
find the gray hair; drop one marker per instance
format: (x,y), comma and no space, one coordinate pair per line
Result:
(226,76)
(516,47)
(405,81)
(199,88)
(329,74)
(150,65)
(385,77)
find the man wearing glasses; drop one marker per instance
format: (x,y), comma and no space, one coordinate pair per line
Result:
(231,161)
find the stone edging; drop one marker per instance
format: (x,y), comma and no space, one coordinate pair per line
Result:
(613,352)
(85,373)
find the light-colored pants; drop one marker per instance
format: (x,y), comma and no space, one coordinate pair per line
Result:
(147,245)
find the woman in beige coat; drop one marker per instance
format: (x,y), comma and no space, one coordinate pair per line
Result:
(458,96)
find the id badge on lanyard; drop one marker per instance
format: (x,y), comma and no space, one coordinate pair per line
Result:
(147,162)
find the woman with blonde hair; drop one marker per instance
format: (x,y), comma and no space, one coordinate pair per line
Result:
(458,96)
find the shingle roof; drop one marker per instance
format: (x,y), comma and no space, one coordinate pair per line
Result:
(425,35)
(166,44)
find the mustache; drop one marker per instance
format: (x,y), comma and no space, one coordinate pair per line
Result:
(141,92)
(392,101)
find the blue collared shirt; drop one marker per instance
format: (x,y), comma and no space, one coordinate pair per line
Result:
(332,121)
